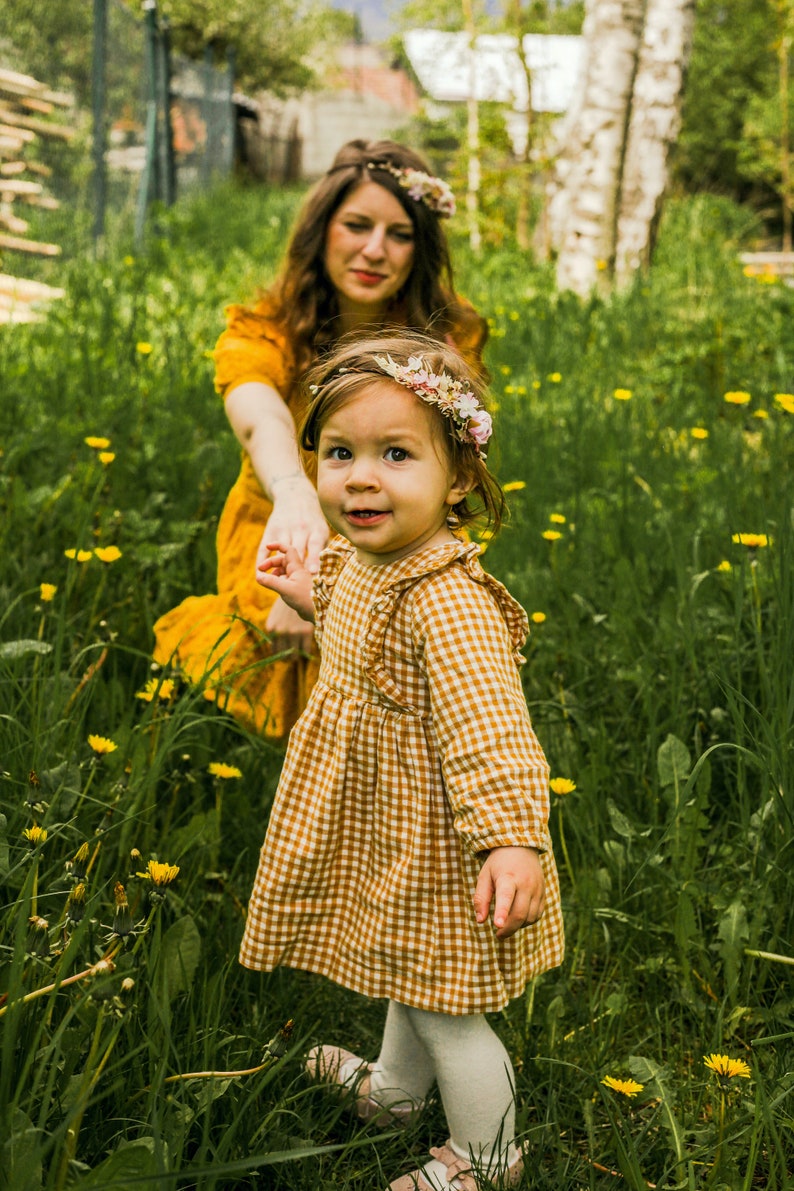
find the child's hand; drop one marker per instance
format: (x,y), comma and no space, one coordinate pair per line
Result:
(283,571)
(511,878)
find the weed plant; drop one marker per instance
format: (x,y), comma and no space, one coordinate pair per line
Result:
(646,446)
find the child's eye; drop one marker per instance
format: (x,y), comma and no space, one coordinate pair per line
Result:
(339,453)
(396,454)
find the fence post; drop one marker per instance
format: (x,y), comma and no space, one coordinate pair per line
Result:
(150,171)
(166,137)
(98,101)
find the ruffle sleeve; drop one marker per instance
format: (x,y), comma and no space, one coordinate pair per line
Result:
(333,560)
(252,348)
(495,774)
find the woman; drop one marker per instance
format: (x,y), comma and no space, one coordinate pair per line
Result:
(368,250)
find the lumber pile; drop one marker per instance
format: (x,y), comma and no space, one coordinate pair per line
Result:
(29,110)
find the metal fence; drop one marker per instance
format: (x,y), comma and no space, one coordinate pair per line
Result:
(162,124)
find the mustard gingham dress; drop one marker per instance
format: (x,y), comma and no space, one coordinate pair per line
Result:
(414,756)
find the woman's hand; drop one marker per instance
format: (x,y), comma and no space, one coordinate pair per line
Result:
(511,878)
(296,521)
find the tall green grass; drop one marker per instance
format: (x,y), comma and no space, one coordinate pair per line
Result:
(659,681)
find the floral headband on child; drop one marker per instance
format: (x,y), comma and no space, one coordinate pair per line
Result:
(423,188)
(472,423)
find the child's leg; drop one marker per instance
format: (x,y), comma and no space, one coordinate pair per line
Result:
(475,1081)
(404,1069)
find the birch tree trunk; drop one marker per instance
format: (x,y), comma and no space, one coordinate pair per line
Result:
(472,132)
(611,172)
(583,206)
(653,128)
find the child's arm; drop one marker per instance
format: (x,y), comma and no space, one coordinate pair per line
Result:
(511,878)
(283,572)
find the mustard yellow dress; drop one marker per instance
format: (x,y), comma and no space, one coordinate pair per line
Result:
(219,641)
(414,756)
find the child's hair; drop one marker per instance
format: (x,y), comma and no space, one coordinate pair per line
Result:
(340,375)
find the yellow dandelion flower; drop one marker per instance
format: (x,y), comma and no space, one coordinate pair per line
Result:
(725,566)
(163,690)
(725,1067)
(47,592)
(622,394)
(699,432)
(107,553)
(160,874)
(538,617)
(514,316)
(627,1087)
(601,265)
(785,401)
(514,486)
(562,785)
(143,348)
(220,769)
(755,541)
(505,369)
(551,535)
(98,443)
(510,388)
(520,389)
(760,413)
(78,555)
(102,745)
(35,835)
(122,918)
(557,518)
(555,377)
(536,384)
(738,397)
(106,457)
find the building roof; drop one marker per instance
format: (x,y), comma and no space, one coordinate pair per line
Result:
(440,61)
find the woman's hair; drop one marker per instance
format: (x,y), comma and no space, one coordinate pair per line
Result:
(305,301)
(340,375)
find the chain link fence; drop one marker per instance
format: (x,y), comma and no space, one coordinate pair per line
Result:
(163,124)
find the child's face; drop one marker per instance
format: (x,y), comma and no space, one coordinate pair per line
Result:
(383,476)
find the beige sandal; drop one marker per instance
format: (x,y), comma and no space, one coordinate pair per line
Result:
(351,1076)
(459,1174)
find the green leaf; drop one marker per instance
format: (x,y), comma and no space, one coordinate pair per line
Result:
(734,932)
(4,865)
(672,761)
(13,650)
(20,1156)
(179,957)
(620,824)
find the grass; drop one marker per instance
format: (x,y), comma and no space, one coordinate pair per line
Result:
(659,682)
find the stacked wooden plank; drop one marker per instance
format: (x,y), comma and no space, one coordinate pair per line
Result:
(26,110)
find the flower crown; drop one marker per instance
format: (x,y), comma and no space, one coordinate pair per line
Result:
(423,188)
(472,423)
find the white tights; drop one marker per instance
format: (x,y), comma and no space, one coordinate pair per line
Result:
(473,1072)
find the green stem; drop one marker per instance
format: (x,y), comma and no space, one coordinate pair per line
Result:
(564,848)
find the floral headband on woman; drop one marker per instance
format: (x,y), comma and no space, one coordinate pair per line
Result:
(422,188)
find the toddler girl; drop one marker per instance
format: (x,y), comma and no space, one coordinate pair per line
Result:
(414,795)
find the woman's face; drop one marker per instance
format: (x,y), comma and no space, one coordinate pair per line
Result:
(369,252)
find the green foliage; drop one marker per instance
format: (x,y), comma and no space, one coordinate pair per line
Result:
(275,52)
(733,64)
(659,681)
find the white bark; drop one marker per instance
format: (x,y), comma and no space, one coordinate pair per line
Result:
(653,128)
(582,211)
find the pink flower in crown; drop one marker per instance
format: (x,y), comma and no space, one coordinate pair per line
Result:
(480,427)
(467,406)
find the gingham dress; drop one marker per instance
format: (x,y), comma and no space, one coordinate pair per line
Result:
(414,756)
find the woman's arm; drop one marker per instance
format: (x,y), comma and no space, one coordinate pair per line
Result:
(266,431)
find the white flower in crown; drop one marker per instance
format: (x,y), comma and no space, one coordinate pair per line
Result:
(472,423)
(423,188)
